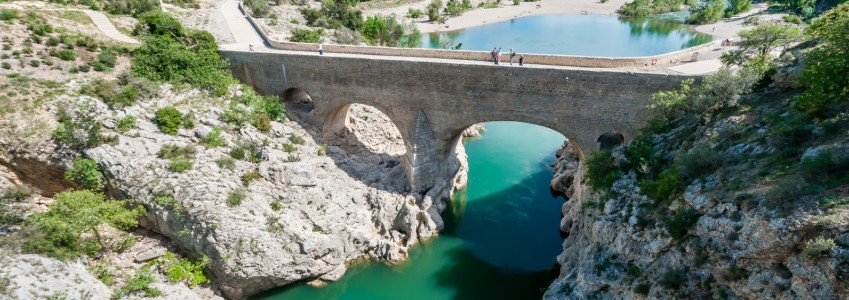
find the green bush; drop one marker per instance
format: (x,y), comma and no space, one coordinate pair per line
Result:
(214,139)
(139,283)
(643,8)
(78,133)
(668,184)
(125,124)
(66,55)
(736,7)
(699,161)
(433,10)
(8,14)
(259,8)
(829,167)
(179,165)
(642,289)
(820,247)
(87,173)
(169,119)
(792,19)
(130,7)
(760,41)
(173,151)
(262,122)
(250,177)
(83,68)
(72,225)
(681,223)
(601,170)
(673,279)
(226,163)
(706,11)
(7,65)
(296,139)
(183,270)
(171,53)
(414,13)
(34,63)
(826,71)
(236,197)
(306,35)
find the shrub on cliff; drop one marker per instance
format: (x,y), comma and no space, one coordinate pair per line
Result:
(826,71)
(601,170)
(87,173)
(169,119)
(301,35)
(681,223)
(171,53)
(72,226)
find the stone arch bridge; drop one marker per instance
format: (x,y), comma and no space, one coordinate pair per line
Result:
(432,101)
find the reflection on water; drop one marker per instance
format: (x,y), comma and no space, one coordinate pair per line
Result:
(591,35)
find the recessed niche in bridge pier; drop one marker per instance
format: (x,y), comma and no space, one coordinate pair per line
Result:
(298,100)
(610,140)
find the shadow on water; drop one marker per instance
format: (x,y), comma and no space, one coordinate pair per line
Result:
(494,230)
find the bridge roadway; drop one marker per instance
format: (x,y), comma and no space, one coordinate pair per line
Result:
(432,100)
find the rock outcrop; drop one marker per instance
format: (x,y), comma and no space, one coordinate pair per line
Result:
(304,217)
(615,250)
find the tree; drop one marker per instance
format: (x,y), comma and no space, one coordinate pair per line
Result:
(762,40)
(826,71)
(87,173)
(737,7)
(433,10)
(706,11)
(66,230)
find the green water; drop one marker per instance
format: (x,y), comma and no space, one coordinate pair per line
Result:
(570,34)
(501,235)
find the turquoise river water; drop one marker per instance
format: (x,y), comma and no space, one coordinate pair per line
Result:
(501,235)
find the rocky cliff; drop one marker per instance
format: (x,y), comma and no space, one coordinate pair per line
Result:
(297,208)
(711,242)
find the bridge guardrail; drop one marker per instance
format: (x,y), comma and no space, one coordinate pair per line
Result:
(684,55)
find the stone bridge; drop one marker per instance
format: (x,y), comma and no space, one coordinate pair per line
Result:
(432,101)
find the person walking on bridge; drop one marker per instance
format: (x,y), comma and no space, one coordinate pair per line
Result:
(494,58)
(320,50)
(512,54)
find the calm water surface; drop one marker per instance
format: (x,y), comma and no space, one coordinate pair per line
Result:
(590,35)
(501,236)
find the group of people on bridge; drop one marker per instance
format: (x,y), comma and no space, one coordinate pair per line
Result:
(496,56)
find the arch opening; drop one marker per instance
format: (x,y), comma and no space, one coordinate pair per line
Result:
(609,140)
(298,100)
(368,145)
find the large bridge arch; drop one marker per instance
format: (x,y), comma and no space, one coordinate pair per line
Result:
(431,101)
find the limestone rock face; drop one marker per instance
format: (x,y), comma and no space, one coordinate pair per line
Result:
(306,215)
(36,277)
(617,251)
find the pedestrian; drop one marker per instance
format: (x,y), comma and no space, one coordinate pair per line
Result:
(512,54)
(498,55)
(494,58)
(251,47)
(320,50)
(521,60)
